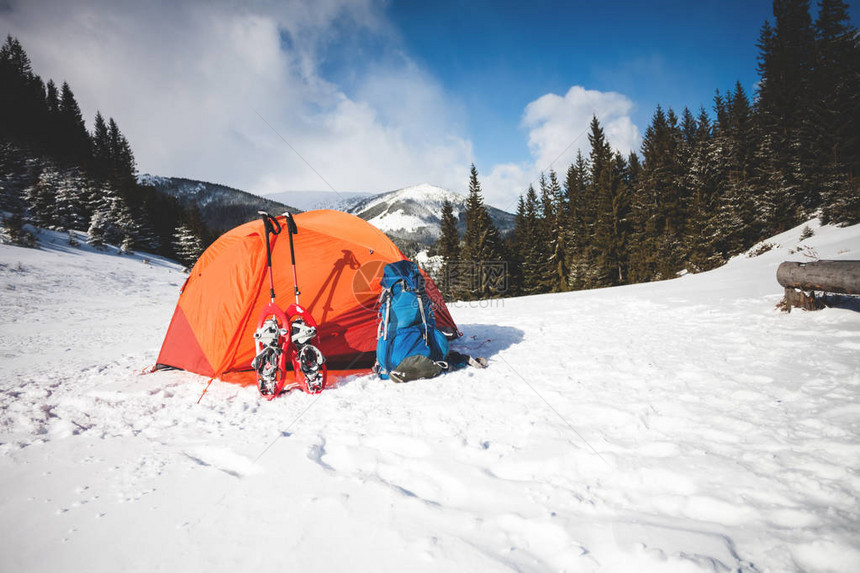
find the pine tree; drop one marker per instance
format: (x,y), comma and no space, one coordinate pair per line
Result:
(22,93)
(778,206)
(702,181)
(123,165)
(449,249)
(837,110)
(112,221)
(688,190)
(50,124)
(541,253)
(73,136)
(102,161)
(557,224)
(738,215)
(69,212)
(612,228)
(651,254)
(600,192)
(785,93)
(516,247)
(187,245)
(580,222)
(529,249)
(96,230)
(41,196)
(482,244)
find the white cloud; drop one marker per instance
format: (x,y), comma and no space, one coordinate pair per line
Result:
(188,82)
(208,89)
(557,127)
(506,182)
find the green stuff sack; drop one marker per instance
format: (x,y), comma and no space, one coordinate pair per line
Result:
(415,367)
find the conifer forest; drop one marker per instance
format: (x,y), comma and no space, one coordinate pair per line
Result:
(706,185)
(57,175)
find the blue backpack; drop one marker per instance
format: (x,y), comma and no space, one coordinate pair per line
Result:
(407,326)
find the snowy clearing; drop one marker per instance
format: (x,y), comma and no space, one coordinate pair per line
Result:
(681,426)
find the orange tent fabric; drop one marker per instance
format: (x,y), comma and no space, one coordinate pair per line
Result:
(339,260)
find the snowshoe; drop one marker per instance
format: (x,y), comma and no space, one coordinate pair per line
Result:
(308,361)
(266,364)
(270,362)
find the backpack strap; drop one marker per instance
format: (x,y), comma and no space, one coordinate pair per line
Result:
(384,310)
(424,320)
(387,316)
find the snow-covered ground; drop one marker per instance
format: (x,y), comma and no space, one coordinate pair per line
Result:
(685,425)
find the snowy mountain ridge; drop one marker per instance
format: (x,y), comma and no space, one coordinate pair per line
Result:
(411,216)
(407,210)
(220,206)
(312,200)
(414,213)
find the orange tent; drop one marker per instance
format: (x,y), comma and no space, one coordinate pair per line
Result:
(339,260)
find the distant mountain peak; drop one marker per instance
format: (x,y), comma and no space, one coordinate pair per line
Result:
(413,214)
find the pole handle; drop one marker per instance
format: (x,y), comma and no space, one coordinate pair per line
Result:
(271,223)
(271,227)
(293,230)
(291,223)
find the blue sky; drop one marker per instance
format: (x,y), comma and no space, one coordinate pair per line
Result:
(499,56)
(377,95)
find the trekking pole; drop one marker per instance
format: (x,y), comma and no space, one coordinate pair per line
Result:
(293,230)
(274,228)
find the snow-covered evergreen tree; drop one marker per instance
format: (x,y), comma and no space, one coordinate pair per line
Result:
(96,230)
(187,245)
(558,234)
(69,211)
(530,246)
(837,109)
(112,221)
(40,197)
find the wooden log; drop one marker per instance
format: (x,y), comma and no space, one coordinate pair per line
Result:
(827,276)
